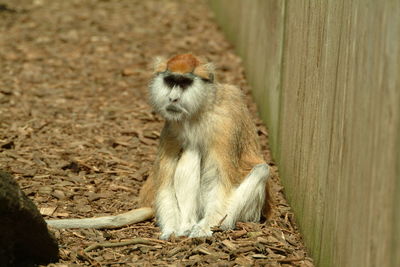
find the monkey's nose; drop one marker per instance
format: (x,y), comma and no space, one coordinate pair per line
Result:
(173,99)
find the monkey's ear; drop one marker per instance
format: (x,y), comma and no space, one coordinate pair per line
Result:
(159,64)
(205,71)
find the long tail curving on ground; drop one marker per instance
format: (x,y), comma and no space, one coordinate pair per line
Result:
(115,221)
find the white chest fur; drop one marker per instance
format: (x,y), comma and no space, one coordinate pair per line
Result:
(187,188)
(194,134)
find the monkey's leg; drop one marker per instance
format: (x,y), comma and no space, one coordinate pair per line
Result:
(246,202)
(187,187)
(167,211)
(213,199)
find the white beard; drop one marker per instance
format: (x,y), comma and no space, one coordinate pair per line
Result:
(190,100)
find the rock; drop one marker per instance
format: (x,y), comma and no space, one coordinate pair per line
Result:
(24,237)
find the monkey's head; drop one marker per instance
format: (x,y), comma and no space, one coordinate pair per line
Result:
(181,87)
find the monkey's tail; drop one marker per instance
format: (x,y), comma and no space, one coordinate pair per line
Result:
(116,221)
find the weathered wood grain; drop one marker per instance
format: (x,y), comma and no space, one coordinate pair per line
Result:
(332,107)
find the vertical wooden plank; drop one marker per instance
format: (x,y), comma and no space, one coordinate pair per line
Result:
(395,257)
(305,114)
(340,30)
(266,43)
(395,260)
(371,132)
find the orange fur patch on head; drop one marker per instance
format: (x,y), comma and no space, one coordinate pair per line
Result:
(185,63)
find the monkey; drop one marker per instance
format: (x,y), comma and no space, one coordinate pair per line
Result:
(209,170)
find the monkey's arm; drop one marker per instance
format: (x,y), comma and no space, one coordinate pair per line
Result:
(165,202)
(163,169)
(130,217)
(158,191)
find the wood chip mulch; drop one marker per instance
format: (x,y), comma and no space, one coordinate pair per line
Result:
(78,134)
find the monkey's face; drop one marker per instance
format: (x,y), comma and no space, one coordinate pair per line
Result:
(178,96)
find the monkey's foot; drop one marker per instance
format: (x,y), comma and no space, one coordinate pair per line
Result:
(185,230)
(199,230)
(165,235)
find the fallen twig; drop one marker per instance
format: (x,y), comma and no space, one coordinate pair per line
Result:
(119,244)
(85,257)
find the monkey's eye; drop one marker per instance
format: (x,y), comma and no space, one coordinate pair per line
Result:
(178,80)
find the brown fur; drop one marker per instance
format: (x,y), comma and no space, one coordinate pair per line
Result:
(231,138)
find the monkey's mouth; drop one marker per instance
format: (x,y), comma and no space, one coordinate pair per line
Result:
(173,109)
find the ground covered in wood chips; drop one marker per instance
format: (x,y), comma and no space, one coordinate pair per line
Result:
(78,134)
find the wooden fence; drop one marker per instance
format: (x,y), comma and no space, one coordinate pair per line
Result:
(326,75)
